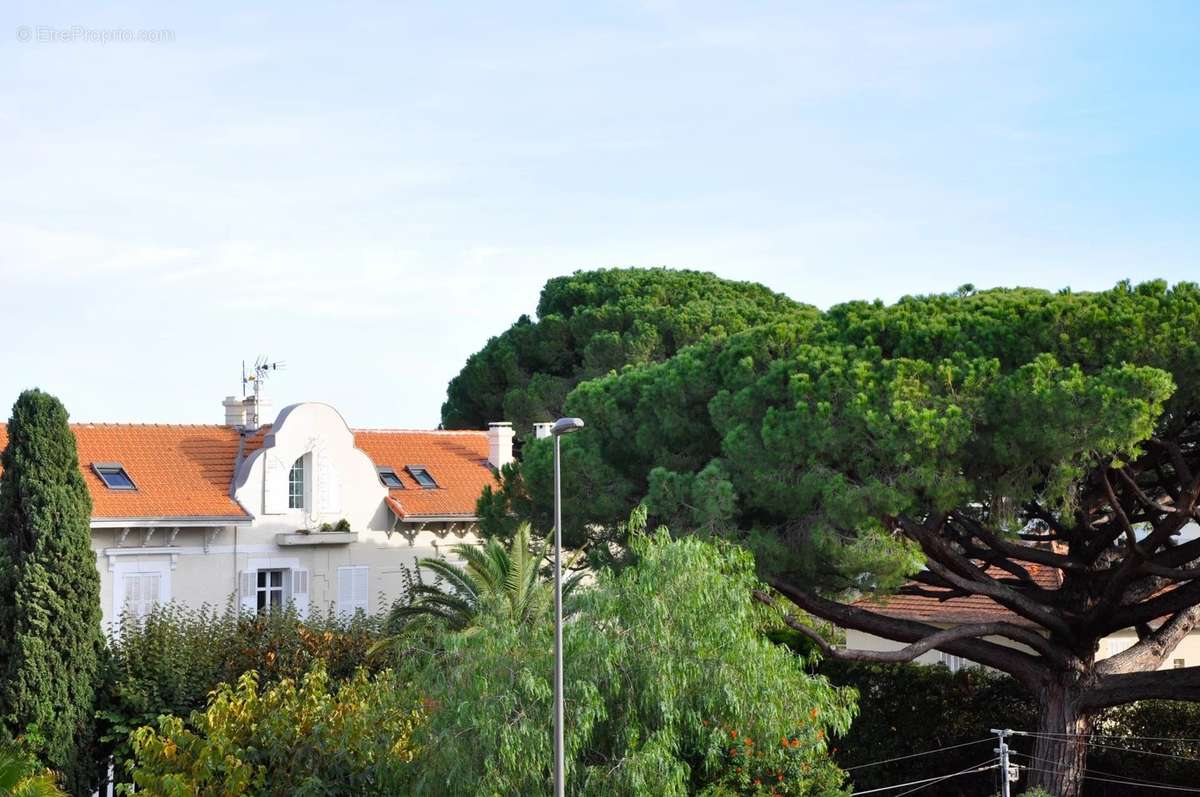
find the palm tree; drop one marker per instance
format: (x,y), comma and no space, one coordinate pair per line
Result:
(491,575)
(22,777)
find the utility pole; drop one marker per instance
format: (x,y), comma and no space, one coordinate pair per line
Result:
(1003,751)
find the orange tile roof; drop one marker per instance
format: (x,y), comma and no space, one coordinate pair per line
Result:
(185,472)
(180,471)
(457,461)
(968,609)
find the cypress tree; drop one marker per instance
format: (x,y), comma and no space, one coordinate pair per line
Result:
(50,634)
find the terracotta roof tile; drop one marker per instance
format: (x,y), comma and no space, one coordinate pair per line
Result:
(179,471)
(186,471)
(969,609)
(457,461)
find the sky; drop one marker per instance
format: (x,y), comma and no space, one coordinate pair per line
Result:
(369,191)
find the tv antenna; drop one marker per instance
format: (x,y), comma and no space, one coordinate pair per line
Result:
(262,367)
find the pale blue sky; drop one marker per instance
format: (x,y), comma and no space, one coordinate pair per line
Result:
(369,190)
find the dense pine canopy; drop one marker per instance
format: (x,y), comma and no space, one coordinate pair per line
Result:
(929,444)
(594,322)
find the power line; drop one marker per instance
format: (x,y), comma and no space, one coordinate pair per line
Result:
(1112,736)
(920,784)
(1087,769)
(1053,737)
(1143,783)
(915,755)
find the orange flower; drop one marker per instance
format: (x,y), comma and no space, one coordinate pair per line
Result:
(748,741)
(733,734)
(814,713)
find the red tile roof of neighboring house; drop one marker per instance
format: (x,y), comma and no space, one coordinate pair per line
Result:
(457,461)
(969,609)
(185,472)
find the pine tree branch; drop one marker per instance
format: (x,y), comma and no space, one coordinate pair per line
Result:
(1027,668)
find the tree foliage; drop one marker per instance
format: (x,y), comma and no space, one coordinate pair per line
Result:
(972,433)
(306,738)
(594,322)
(50,635)
(170,660)
(671,696)
(22,776)
(491,574)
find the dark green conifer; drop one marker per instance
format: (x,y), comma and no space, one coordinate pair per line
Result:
(50,634)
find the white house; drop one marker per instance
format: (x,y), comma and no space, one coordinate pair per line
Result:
(198,514)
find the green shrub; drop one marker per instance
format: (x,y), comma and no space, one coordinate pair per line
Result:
(315,737)
(670,690)
(22,776)
(169,662)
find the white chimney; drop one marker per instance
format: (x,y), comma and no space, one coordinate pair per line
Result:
(541,430)
(500,439)
(235,411)
(258,412)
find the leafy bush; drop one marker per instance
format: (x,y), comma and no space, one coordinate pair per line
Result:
(670,690)
(311,738)
(169,662)
(22,776)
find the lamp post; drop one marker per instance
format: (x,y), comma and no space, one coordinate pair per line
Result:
(561,427)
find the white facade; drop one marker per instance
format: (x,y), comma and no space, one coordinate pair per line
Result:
(278,554)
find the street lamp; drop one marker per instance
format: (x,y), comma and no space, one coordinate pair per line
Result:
(561,427)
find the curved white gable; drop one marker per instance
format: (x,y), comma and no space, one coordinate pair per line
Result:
(342,481)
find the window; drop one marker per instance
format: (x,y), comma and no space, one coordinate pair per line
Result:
(296,485)
(422,476)
(1179,664)
(113,475)
(269,592)
(142,593)
(390,479)
(353,586)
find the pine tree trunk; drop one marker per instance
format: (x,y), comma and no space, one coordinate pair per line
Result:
(1060,752)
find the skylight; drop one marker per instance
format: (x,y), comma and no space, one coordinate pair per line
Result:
(113,475)
(390,479)
(422,476)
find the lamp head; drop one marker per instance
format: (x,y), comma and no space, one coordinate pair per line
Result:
(566,426)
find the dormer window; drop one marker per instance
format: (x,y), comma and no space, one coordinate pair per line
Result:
(390,479)
(421,476)
(296,485)
(113,475)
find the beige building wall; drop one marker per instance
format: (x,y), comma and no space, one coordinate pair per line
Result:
(1186,654)
(197,565)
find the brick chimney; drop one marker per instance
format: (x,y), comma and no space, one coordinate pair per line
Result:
(500,440)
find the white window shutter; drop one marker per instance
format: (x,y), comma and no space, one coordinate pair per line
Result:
(151,591)
(361,587)
(133,594)
(247,588)
(300,592)
(275,486)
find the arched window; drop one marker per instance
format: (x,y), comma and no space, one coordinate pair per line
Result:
(296,485)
